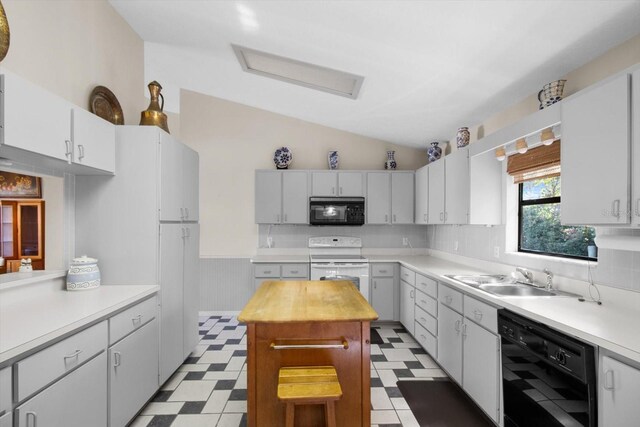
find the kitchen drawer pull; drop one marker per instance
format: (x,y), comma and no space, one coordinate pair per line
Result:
(274,346)
(386,218)
(181,213)
(446,215)
(423,337)
(456,326)
(285,217)
(608,380)
(267,272)
(382,271)
(423,302)
(117,358)
(68,153)
(375,284)
(477,314)
(615,208)
(448,299)
(137,319)
(394,217)
(34,417)
(341,190)
(294,271)
(423,320)
(75,354)
(186,213)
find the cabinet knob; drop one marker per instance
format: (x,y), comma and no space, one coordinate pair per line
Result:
(608,380)
(117,359)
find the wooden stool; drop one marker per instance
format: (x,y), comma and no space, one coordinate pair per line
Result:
(309,385)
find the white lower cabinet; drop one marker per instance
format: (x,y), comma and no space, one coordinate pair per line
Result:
(133,373)
(619,388)
(382,297)
(6,420)
(77,399)
(450,342)
(407,306)
(271,271)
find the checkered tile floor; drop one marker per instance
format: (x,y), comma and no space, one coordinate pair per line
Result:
(210,388)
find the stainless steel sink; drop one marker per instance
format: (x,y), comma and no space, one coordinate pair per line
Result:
(516,291)
(482,279)
(505,286)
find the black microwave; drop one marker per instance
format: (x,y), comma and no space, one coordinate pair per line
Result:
(336,210)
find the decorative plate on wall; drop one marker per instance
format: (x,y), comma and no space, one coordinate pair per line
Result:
(103,103)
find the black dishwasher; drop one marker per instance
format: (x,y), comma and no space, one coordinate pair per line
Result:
(548,377)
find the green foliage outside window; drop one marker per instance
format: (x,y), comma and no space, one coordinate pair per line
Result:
(540,228)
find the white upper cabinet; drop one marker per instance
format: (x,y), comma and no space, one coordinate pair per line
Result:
(378,198)
(485,191)
(337,184)
(635,208)
(94,140)
(436,192)
(595,154)
(179,180)
(456,179)
(191,183)
(282,197)
(402,197)
(34,119)
(422,195)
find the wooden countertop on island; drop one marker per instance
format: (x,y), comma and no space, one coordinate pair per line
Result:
(307,301)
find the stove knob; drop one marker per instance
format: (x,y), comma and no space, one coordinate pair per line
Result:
(561,358)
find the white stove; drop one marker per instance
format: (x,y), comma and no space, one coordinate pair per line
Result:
(339,258)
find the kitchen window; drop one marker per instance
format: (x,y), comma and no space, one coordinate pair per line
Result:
(537,174)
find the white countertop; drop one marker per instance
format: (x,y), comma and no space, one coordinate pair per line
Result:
(34,314)
(612,325)
(280,259)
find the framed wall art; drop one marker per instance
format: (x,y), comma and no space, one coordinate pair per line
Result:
(18,186)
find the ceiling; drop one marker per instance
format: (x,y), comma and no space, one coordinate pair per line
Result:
(429,66)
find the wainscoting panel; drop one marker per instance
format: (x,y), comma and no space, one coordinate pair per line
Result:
(225,283)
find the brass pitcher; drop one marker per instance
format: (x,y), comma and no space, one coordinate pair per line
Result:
(5,34)
(153,115)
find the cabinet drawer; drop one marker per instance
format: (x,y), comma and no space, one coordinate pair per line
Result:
(267,270)
(382,270)
(427,285)
(6,420)
(426,320)
(450,297)
(481,313)
(46,366)
(122,324)
(5,389)
(427,303)
(295,270)
(408,276)
(426,340)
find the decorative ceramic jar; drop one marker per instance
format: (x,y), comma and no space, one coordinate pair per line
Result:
(25,265)
(551,93)
(462,137)
(434,152)
(391,161)
(282,158)
(333,159)
(83,274)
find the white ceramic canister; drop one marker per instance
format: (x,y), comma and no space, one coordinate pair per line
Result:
(83,274)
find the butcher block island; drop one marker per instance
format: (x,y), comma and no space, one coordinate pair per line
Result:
(308,323)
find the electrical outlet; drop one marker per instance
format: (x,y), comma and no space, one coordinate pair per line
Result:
(455,246)
(405,241)
(496,251)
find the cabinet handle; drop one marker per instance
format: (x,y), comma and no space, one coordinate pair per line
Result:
(75,354)
(423,337)
(456,326)
(181,213)
(423,320)
(267,272)
(464,330)
(81,150)
(441,216)
(411,294)
(448,299)
(69,151)
(386,218)
(34,417)
(423,302)
(117,358)
(186,213)
(137,319)
(375,284)
(382,271)
(274,346)
(477,314)
(183,233)
(608,380)
(294,271)
(615,208)
(446,215)
(394,217)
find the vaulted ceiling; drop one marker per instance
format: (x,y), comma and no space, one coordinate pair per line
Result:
(429,66)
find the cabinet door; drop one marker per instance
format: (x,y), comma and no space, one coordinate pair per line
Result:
(191,287)
(378,198)
(6,420)
(595,154)
(436,192)
(34,119)
(324,184)
(407,306)
(485,189)
(171,298)
(382,297)
(350,184)
(457,188)
(295,201)
(94,141)
(402,196)
(78,399)
(171,185)
(422,196)
(268,197)
(635,208)
(619,390)
(481,372)
(450,342)
(133,373)
(191,183)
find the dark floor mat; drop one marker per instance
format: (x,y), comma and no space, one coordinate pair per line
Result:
(375,337)
(441,403)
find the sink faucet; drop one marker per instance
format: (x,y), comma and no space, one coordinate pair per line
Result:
(528,276)
(549,274)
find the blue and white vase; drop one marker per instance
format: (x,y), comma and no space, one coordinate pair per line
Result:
(333,159)
(282,158)
(391,161)
(83,274)
(434,152)
(462,137)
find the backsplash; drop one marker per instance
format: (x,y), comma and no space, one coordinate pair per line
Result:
(373,236)
(619,269)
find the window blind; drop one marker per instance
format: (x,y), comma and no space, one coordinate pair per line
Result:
(539,162)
